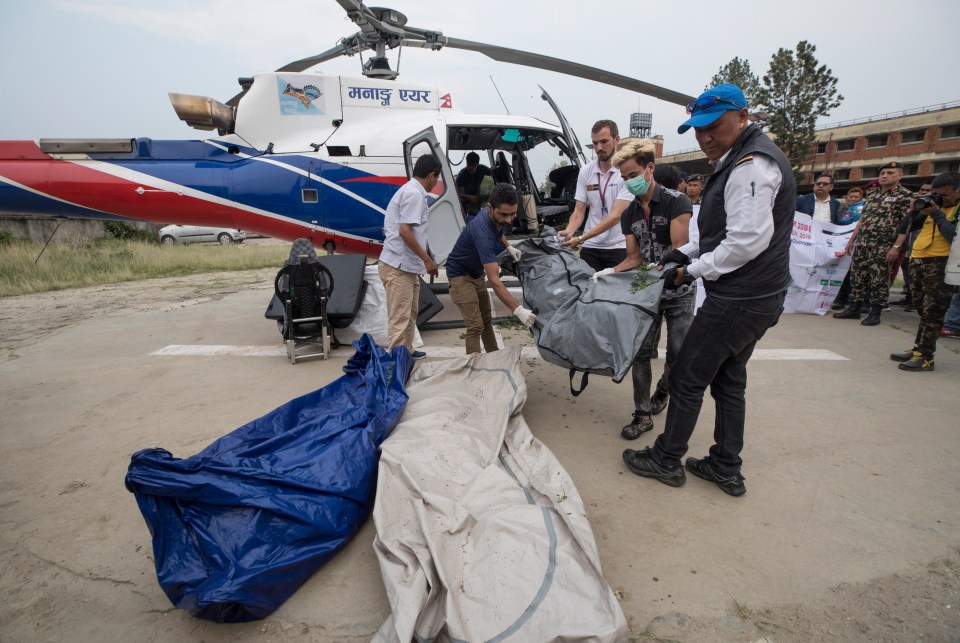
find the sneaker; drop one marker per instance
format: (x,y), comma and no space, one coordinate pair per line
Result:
(658,402)
(637,427)
(909,308)
(947,332)
(418,354)
(642,463)
(704,468)
(905,301)
(905,356)
(917,364)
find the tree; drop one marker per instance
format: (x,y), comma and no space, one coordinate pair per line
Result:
(738,72)
(547,185)
(795,93)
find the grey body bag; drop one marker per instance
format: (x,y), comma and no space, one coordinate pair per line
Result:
(581,325)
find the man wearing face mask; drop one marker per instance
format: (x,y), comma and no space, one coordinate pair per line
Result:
(743,256)
(657,221)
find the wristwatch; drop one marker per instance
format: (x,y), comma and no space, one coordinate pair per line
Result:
(897,246)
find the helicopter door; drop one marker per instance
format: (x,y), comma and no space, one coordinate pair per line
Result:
(445,220)
(568,134)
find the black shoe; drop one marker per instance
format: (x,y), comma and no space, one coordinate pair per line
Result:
(851,312)
(838,305)
(909,308)
(658,402)
(873,318)
(642,463)
(905,301)
(703,468)
(905,356)
(637,427)
(918,364)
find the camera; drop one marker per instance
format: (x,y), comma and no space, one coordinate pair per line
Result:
(934,198)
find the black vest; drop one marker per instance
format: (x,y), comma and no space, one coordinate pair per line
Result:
(769,272)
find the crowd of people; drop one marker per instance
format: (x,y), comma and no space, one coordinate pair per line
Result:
(736,242)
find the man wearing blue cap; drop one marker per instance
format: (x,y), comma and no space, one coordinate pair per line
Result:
(743,256)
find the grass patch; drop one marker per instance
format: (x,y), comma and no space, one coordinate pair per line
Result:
(512,324)
(113,261)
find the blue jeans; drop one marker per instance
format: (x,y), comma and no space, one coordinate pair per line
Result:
(715,354)
(679,315)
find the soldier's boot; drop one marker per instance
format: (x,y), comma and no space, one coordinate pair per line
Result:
(874,317)
(851,312)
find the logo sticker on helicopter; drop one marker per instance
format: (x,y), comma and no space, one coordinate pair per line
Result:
(299,100)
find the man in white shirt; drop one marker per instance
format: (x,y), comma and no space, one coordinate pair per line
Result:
(743,256)
(600,188)
(404,256)
(819,204)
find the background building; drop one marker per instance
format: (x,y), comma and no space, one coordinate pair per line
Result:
(926,140)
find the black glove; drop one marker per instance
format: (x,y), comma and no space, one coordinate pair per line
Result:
(669,276)
(675,256)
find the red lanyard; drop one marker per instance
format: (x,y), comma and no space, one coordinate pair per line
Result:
(603,188)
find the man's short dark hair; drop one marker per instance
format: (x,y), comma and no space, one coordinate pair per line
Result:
(824,176)
(951,179)
(667,175)
(503,193)
(599,125)
(473,158)
(426,165)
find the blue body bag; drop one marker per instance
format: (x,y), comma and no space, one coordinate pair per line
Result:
(238,527)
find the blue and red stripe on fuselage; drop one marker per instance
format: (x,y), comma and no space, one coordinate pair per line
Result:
(202,183)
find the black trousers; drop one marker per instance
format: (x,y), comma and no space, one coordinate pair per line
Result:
(598,258)
(715,353)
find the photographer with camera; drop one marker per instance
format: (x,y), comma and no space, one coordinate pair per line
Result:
(934,216)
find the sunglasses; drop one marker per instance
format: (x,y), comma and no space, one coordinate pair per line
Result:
(709,101)
(822,183)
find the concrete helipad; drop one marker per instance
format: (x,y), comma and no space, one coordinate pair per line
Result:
(851,469)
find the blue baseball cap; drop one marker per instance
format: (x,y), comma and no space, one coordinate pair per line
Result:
(711,104)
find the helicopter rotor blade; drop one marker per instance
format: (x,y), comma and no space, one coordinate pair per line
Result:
(346,47)
(517,57)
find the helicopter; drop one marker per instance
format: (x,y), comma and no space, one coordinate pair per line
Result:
(300,154)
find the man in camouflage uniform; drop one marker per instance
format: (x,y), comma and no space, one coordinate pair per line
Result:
(937,228)
(875,235)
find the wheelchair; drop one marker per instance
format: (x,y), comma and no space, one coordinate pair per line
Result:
(304,287)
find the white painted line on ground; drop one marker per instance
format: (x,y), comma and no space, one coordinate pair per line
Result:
(201,350)
(797,353)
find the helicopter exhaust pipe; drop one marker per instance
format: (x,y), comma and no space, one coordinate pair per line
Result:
(201,112)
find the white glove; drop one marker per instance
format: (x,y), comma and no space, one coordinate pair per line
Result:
(600,273)
(525,315)
(514,253)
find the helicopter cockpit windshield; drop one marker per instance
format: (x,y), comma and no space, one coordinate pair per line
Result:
(523,156)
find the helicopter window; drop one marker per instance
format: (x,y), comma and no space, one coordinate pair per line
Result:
(309,196)
(339,150)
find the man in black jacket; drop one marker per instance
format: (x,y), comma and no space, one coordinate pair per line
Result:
(743,256)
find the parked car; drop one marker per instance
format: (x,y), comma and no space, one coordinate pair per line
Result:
(172,234)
